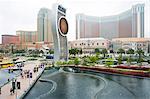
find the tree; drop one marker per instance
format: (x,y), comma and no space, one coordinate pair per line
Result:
(76,61)
(120,59)
(51,51)
(73,51)
(93,59)
(111,51)
(1,51)
(131,52)
(37,52)
(120,51)
(41,51)
(97,50)
(80,51)
(104,52)
(29,51)
(140,53)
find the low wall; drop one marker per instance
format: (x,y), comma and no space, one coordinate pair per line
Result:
(115,71)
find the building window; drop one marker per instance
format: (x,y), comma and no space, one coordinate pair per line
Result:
(88,44)
(92,43)
(75,44)
(102,43)
(97,43)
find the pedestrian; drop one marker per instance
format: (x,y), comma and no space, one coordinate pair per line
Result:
(0,90)
(53,64)
(11,89)
(37,69)
(8,70)
(13,85)
(21,74)
(34,70)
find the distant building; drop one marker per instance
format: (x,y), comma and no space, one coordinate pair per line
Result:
(37,45)
(9,43)
(131,43)
(127,24)
(10,39)
(44,28)
(88,45)
(26,37)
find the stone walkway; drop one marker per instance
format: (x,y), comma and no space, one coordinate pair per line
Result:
(24,82)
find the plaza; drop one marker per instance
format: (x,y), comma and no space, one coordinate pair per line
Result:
(25,83)
(109,59)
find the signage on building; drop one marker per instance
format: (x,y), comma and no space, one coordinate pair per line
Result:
(63,26)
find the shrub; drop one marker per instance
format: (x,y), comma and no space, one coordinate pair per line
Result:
(76,61)
(70,62)
(109,63)
(59,63)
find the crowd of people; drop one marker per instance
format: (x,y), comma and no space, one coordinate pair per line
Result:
(24,74)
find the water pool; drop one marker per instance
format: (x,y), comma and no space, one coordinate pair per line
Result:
(88,85)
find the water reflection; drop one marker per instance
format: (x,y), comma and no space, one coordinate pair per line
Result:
(92,85)
(4,76)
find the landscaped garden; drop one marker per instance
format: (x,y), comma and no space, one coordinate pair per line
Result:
(129,62)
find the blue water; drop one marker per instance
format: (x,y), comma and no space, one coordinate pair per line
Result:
(89,85)
(4,76)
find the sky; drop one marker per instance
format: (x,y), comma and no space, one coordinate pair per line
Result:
(22,14)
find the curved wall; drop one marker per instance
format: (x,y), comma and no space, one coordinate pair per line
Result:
(127,24)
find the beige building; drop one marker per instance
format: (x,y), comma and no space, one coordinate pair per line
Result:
(134,43)
(36,45)
(26,37)
(88,45)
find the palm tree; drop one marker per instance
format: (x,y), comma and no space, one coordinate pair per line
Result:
(120,59)
(93,59)
(80,51)
(51,51)
(41,51)
(120,51)
(104,52)
(97,50)
(73,51)
(76,61)
(140,53)
(131,52)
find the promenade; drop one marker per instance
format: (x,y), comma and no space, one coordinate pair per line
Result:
(24,82)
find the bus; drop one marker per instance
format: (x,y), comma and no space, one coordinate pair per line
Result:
(110,61)
(6,64)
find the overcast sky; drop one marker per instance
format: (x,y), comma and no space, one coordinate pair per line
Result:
(22,14)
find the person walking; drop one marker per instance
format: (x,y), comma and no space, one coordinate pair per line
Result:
(10,91)
(21,74)
(0,90)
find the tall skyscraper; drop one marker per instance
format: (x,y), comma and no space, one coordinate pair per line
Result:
(127,24)
(44,33)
